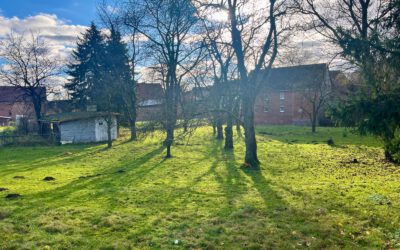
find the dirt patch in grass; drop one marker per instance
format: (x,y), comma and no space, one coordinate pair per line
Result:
(49,178)
(12,196)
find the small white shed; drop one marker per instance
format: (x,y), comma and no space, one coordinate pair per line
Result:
(82,127)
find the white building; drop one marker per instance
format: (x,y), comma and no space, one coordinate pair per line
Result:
(82,127)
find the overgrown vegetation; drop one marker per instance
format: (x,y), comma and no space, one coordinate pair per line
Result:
(368,35)
(306,195)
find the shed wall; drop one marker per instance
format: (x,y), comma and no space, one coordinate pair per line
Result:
(101,129)
(79,131)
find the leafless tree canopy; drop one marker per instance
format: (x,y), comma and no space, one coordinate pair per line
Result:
(28,65)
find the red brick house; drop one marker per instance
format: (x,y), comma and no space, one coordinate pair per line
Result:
(14,103)
(283,98)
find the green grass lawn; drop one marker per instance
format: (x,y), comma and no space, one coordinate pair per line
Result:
(307,195)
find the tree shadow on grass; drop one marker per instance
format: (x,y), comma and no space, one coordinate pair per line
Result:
(108,182)
(270,198)
(302,135)
(58,156)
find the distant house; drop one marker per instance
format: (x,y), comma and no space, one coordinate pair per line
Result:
(150,98)
(59,106)
(283,100)
(82,127)
(14,103)
(5,120)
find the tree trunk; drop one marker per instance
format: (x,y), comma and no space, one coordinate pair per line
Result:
(220,131)
(37,106)
(214,129)
(313,126)
(251,157)
(388,152)
(314,120)
(388,155)
(185,125)
(169,141)
(171,114)
(133,130)
(238,129)
(229,133)
(109,125)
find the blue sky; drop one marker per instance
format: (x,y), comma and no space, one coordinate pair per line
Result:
(70,11)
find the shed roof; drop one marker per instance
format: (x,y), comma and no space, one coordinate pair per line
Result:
(12,94)
(74,116)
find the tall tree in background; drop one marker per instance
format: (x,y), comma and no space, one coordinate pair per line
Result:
(168,27)
(28,65)
(221,54)
(115,90)
(88,64)
(316,93)
(121,74)
(367,34)
(101,75)
(123,56)
(254,37)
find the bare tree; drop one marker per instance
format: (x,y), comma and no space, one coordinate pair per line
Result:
(349,25)
(254,35)
(293,56)
(222,56)
(316,93)
(29,66)
(168,27)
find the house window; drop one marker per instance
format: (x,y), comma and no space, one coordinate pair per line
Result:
(282,109)
(266,104)
(282,95)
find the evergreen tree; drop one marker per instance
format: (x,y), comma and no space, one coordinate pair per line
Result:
(101,75)
(374,108)
(121,78)
(88,65)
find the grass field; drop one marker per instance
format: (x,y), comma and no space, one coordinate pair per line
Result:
(307,195)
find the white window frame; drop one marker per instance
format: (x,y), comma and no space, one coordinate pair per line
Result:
(282,108)
(282,95)
(266,107)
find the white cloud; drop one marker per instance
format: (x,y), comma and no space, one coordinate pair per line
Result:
(60,36)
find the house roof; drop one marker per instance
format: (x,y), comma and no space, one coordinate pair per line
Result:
(58,106)
(295,76)
(149,91)
(74,116)
(11,94)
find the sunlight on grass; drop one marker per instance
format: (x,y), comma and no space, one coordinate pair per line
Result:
(307,194)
